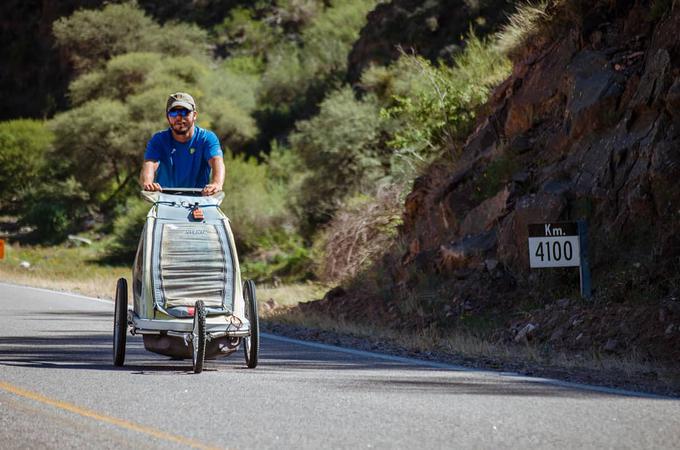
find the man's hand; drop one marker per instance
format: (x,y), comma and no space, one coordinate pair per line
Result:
(217,180)
(146,176)
(210,189)
(152,187)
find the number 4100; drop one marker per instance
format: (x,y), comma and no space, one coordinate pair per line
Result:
(554,251)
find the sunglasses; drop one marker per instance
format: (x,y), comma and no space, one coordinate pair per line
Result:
(178,112)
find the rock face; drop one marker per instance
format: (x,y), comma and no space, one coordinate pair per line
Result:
(590,119)
(594,131)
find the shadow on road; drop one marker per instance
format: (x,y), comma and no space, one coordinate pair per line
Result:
(93,351)
(80,351)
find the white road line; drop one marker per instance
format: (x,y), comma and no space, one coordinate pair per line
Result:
(453,367)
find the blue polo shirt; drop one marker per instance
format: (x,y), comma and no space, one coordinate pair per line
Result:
(183,164)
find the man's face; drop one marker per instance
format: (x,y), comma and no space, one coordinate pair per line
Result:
(181,120)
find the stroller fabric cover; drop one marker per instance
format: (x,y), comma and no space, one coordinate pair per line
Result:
(192,260)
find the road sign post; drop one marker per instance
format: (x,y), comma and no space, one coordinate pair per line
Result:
(561,244)
(584,266)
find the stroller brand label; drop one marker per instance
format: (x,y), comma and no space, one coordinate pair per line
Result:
(195,231)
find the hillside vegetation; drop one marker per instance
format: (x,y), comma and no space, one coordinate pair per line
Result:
(396,149)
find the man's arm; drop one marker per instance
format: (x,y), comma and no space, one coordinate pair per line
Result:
(147,175)
(217,179)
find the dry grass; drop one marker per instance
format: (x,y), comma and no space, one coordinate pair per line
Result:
(526,22)
(61,268)
(360,232)
(465,347)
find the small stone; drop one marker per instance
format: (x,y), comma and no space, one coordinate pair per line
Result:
(557,334)
(25,264)
(77,240)
(611,345)
(563,302)
(669,329)
(525,332)
(491,264)
(521,177)
(579,337)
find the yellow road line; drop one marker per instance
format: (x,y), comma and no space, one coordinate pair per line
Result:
(103,418)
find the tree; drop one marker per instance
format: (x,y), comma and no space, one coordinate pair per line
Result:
(339,150)
(23,144)
(89,37)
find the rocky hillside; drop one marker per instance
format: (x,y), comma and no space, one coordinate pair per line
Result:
(587,127)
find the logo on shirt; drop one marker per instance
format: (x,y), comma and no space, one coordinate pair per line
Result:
(192,150)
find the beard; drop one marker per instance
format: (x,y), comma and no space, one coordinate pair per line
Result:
(181,129)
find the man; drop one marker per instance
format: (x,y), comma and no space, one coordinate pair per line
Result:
(184,155)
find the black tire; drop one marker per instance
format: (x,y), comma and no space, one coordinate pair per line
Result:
(251,344)
(120,322)
(198,337)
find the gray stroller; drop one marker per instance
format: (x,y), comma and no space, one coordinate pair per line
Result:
(188,300)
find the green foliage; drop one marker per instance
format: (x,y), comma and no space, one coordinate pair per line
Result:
(92,37)
(439,111)
(340,150)
(254,201)
(127,229)
(94,144)
(55,208)
(243,34)
(234,83)
(299,72)
(278,255)
(23,144)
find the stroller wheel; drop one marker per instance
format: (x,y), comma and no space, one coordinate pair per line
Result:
(120,322)
(251,344)
(198,337)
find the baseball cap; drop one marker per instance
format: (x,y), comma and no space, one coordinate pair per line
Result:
(180,99)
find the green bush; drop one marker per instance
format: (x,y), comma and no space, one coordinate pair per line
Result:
(127,229)
(96,146)
(54,208)
(91,37)
(279,255)
(340,151)
(299,72)
(23,144)
(255,202)
(440,110)
(245,35)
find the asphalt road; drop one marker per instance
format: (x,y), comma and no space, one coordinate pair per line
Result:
(59,389)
